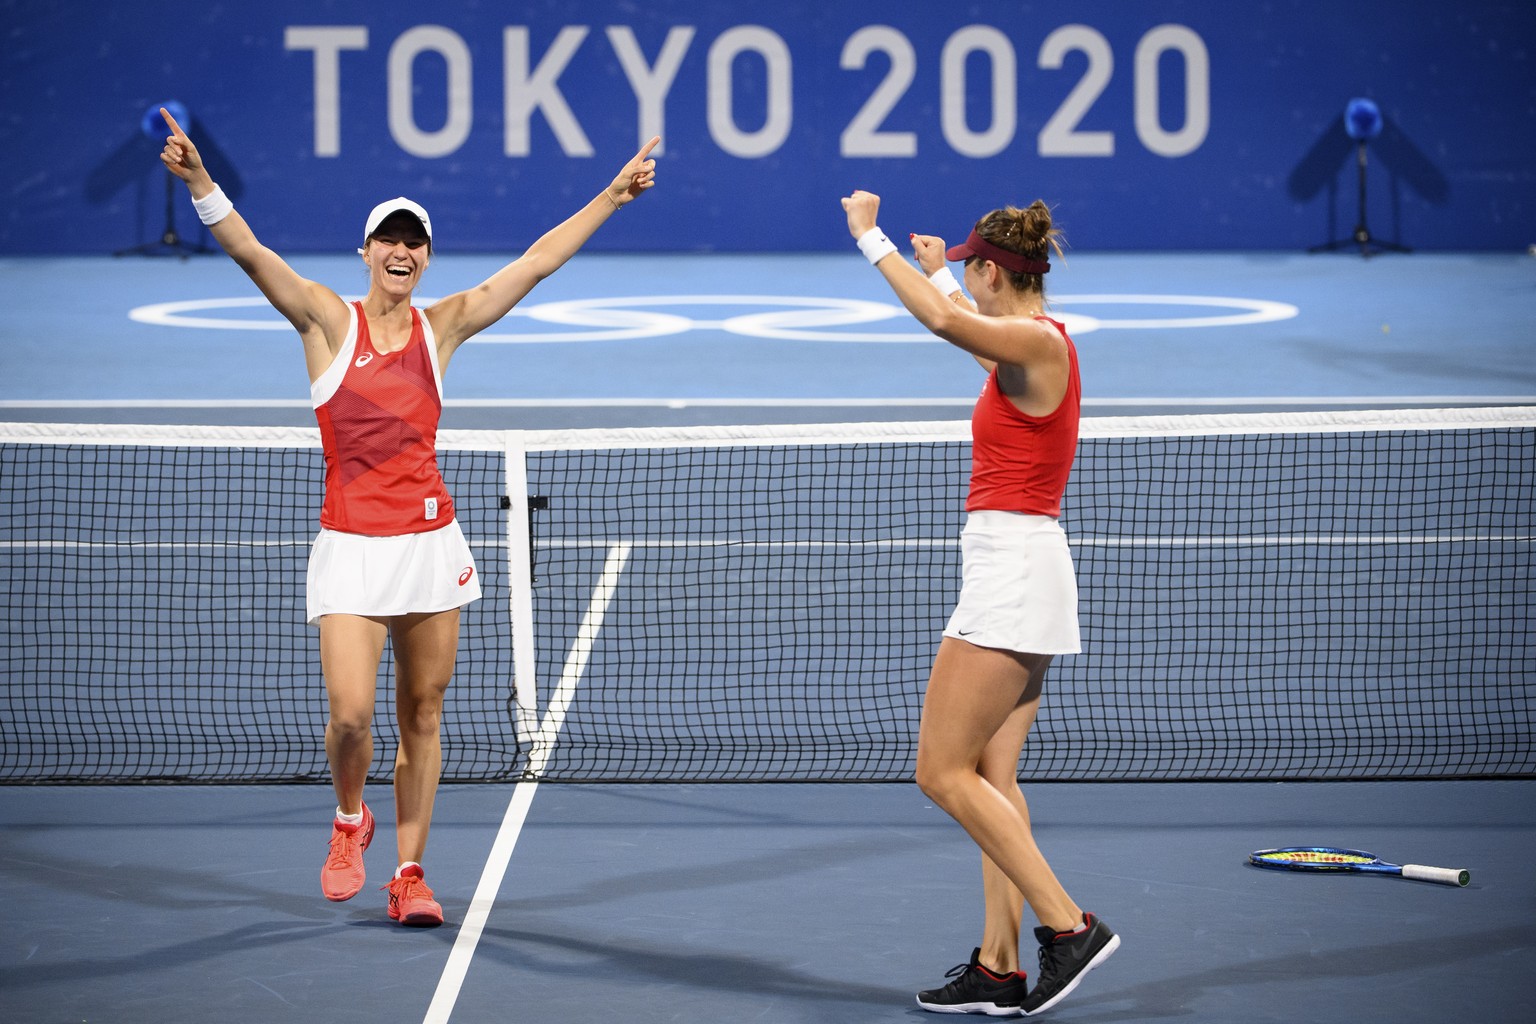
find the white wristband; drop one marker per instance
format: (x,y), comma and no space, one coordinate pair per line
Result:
(213,207)
(875,246)
(944,280)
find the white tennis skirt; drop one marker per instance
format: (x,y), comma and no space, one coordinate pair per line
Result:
(1018,590)
(382,576)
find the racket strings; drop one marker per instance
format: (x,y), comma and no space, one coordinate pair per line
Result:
(1316,857)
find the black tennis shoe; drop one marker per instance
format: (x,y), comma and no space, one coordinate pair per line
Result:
(1064,958)
(977,990)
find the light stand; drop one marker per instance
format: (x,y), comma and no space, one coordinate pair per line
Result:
(154,127)
(1362,120)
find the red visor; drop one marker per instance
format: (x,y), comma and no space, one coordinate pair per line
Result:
(975,245)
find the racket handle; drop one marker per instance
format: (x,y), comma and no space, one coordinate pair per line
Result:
(1445,876)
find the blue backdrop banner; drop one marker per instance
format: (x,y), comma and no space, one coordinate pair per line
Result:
(1166,124)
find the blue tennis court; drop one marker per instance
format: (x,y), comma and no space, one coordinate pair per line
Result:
(686,339)
(782,903)
(786,901)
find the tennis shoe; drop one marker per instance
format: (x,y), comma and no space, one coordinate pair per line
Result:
(343,875)
(1065,957)
(410,899)
(977,990)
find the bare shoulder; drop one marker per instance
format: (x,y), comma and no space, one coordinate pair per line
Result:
(332,312)
(446,317)
(330,318)
(1044,342)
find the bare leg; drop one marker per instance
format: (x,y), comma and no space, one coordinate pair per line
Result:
(1000,767)
(350,648)
(972,693)
(426,647)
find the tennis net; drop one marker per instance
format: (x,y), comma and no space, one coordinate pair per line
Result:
(1319,596)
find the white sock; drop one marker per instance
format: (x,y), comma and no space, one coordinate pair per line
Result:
(407,864)
(349,819)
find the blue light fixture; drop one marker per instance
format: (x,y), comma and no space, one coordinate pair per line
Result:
(1362,119)
(154,126)
(1362,123)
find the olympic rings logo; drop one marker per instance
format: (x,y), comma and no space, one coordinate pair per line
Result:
(806,318)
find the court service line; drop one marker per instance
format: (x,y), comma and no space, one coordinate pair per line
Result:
(463,951)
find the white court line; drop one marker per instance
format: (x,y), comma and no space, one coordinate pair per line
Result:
(522,794)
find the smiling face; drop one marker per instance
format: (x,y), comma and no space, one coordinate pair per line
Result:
(396,253)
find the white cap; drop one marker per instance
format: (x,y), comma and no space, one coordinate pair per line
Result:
(396,205)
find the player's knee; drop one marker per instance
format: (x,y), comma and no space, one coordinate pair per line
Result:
(1002,778)
(421,718)
(935,780)
(350,725)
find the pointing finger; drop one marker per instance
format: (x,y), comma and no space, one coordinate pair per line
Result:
(175,128)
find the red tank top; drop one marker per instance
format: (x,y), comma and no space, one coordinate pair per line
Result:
(379,430)
(1021,463)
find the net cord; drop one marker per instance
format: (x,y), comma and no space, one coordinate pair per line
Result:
(790,434)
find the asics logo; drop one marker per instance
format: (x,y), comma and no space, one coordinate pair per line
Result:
(465,575)
(364,359)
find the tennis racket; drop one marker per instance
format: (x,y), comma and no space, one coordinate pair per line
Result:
(1329,858)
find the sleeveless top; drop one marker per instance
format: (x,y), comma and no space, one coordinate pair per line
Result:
(1021,463)
(378,414)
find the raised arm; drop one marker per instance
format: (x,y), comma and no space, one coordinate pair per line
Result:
(1016,341)
(316,312)
(459,317)
(929,250)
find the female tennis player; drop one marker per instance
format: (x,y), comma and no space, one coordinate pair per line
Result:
(1018,598)
(390,559)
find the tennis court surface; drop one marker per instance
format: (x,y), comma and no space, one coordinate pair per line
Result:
(680,740)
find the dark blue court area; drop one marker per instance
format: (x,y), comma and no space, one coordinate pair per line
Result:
(777,903)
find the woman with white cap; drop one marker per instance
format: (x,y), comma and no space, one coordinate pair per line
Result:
(390,559)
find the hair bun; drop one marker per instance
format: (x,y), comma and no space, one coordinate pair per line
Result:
(1028,231)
